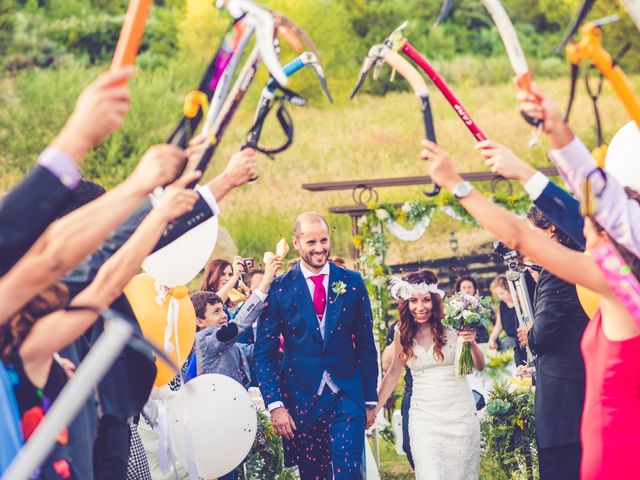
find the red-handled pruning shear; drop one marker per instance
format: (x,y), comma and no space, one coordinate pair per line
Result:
(385,53)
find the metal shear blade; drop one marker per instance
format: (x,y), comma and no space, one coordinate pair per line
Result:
(376,56)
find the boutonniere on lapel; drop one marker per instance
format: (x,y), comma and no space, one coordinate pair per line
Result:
(339,288)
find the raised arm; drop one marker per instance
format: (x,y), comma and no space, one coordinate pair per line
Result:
(572,266)
(617,214)
(69,240)
(34,203)
(557,204)
(55,331)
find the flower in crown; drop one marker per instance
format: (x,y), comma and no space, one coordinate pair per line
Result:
(402,290)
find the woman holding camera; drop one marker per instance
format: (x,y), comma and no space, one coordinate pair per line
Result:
(222,278)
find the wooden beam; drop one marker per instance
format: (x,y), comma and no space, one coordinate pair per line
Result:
(403,181)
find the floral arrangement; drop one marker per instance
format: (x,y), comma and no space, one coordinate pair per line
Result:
(266,458)
(508,431)
(463,311)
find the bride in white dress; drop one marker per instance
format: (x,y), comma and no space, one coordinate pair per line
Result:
(444,428)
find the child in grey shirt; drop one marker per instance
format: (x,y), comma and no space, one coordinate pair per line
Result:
(215,347)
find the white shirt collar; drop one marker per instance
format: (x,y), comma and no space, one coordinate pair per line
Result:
(308,273)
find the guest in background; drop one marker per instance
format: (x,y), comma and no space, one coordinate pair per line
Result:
(222,278)
(467,284)
(506,321)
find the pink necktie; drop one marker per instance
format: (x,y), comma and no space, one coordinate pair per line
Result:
(319,295)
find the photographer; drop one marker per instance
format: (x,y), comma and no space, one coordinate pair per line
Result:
(225,280)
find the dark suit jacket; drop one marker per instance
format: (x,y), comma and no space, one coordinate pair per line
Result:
(563,210)
(559,322)
(347,351)
(27,211)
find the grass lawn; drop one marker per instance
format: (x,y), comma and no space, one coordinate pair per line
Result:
(370,137)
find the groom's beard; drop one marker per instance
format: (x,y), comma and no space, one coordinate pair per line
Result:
(315,261)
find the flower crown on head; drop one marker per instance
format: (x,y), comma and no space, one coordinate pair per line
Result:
(402,290)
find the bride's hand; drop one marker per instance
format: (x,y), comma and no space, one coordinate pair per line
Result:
(468,335)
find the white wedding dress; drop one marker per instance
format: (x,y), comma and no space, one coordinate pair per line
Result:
(444,428)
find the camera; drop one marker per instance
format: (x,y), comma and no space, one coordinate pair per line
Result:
(506,253)
(248,263)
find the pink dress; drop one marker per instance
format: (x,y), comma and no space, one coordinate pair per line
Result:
(611,419)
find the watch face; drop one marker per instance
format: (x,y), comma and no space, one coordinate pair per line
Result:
(462,189)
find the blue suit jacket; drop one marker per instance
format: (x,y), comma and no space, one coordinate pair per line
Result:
(347,352)
(563,210)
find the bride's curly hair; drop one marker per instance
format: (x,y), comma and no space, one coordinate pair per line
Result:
(409,327)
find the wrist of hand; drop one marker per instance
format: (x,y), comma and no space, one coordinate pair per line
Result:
(74,146)
(451,183)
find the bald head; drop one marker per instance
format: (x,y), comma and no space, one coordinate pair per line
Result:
(311,240)
(308,219)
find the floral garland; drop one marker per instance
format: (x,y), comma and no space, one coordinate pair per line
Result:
(373,245)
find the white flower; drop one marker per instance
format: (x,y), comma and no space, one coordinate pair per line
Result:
(466,314)
(407,206)
(363,221)
(382,214)
(339,288)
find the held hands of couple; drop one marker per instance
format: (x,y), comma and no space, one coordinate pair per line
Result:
(372,414)
(282,423)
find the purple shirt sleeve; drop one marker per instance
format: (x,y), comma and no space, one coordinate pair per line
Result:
(617,214)
(62,166)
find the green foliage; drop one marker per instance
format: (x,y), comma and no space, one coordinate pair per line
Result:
(266,459)
(497,363)
(508,431)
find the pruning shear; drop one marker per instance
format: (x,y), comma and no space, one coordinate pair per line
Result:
(523,77)
(264,24)
(387,53)
(270,94)
(589,47)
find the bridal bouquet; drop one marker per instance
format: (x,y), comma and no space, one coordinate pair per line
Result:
(463,311)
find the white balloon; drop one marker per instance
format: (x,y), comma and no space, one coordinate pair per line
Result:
(179,262)
(623,155)
(221,419)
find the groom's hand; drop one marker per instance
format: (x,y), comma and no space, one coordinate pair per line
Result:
(282,422)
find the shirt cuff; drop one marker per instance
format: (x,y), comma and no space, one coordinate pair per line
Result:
(260,295)
(373,404)
(273,405)
(207,196)
(536,185)
(62,166)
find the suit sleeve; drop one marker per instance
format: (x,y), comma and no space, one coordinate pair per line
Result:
(554,295)
(563,210)
(84,274)
(27,211)
(365,343)
(266,350)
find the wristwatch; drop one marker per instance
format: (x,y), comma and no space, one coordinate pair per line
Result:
(462,189)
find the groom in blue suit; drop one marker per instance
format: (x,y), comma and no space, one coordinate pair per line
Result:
(320,393)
